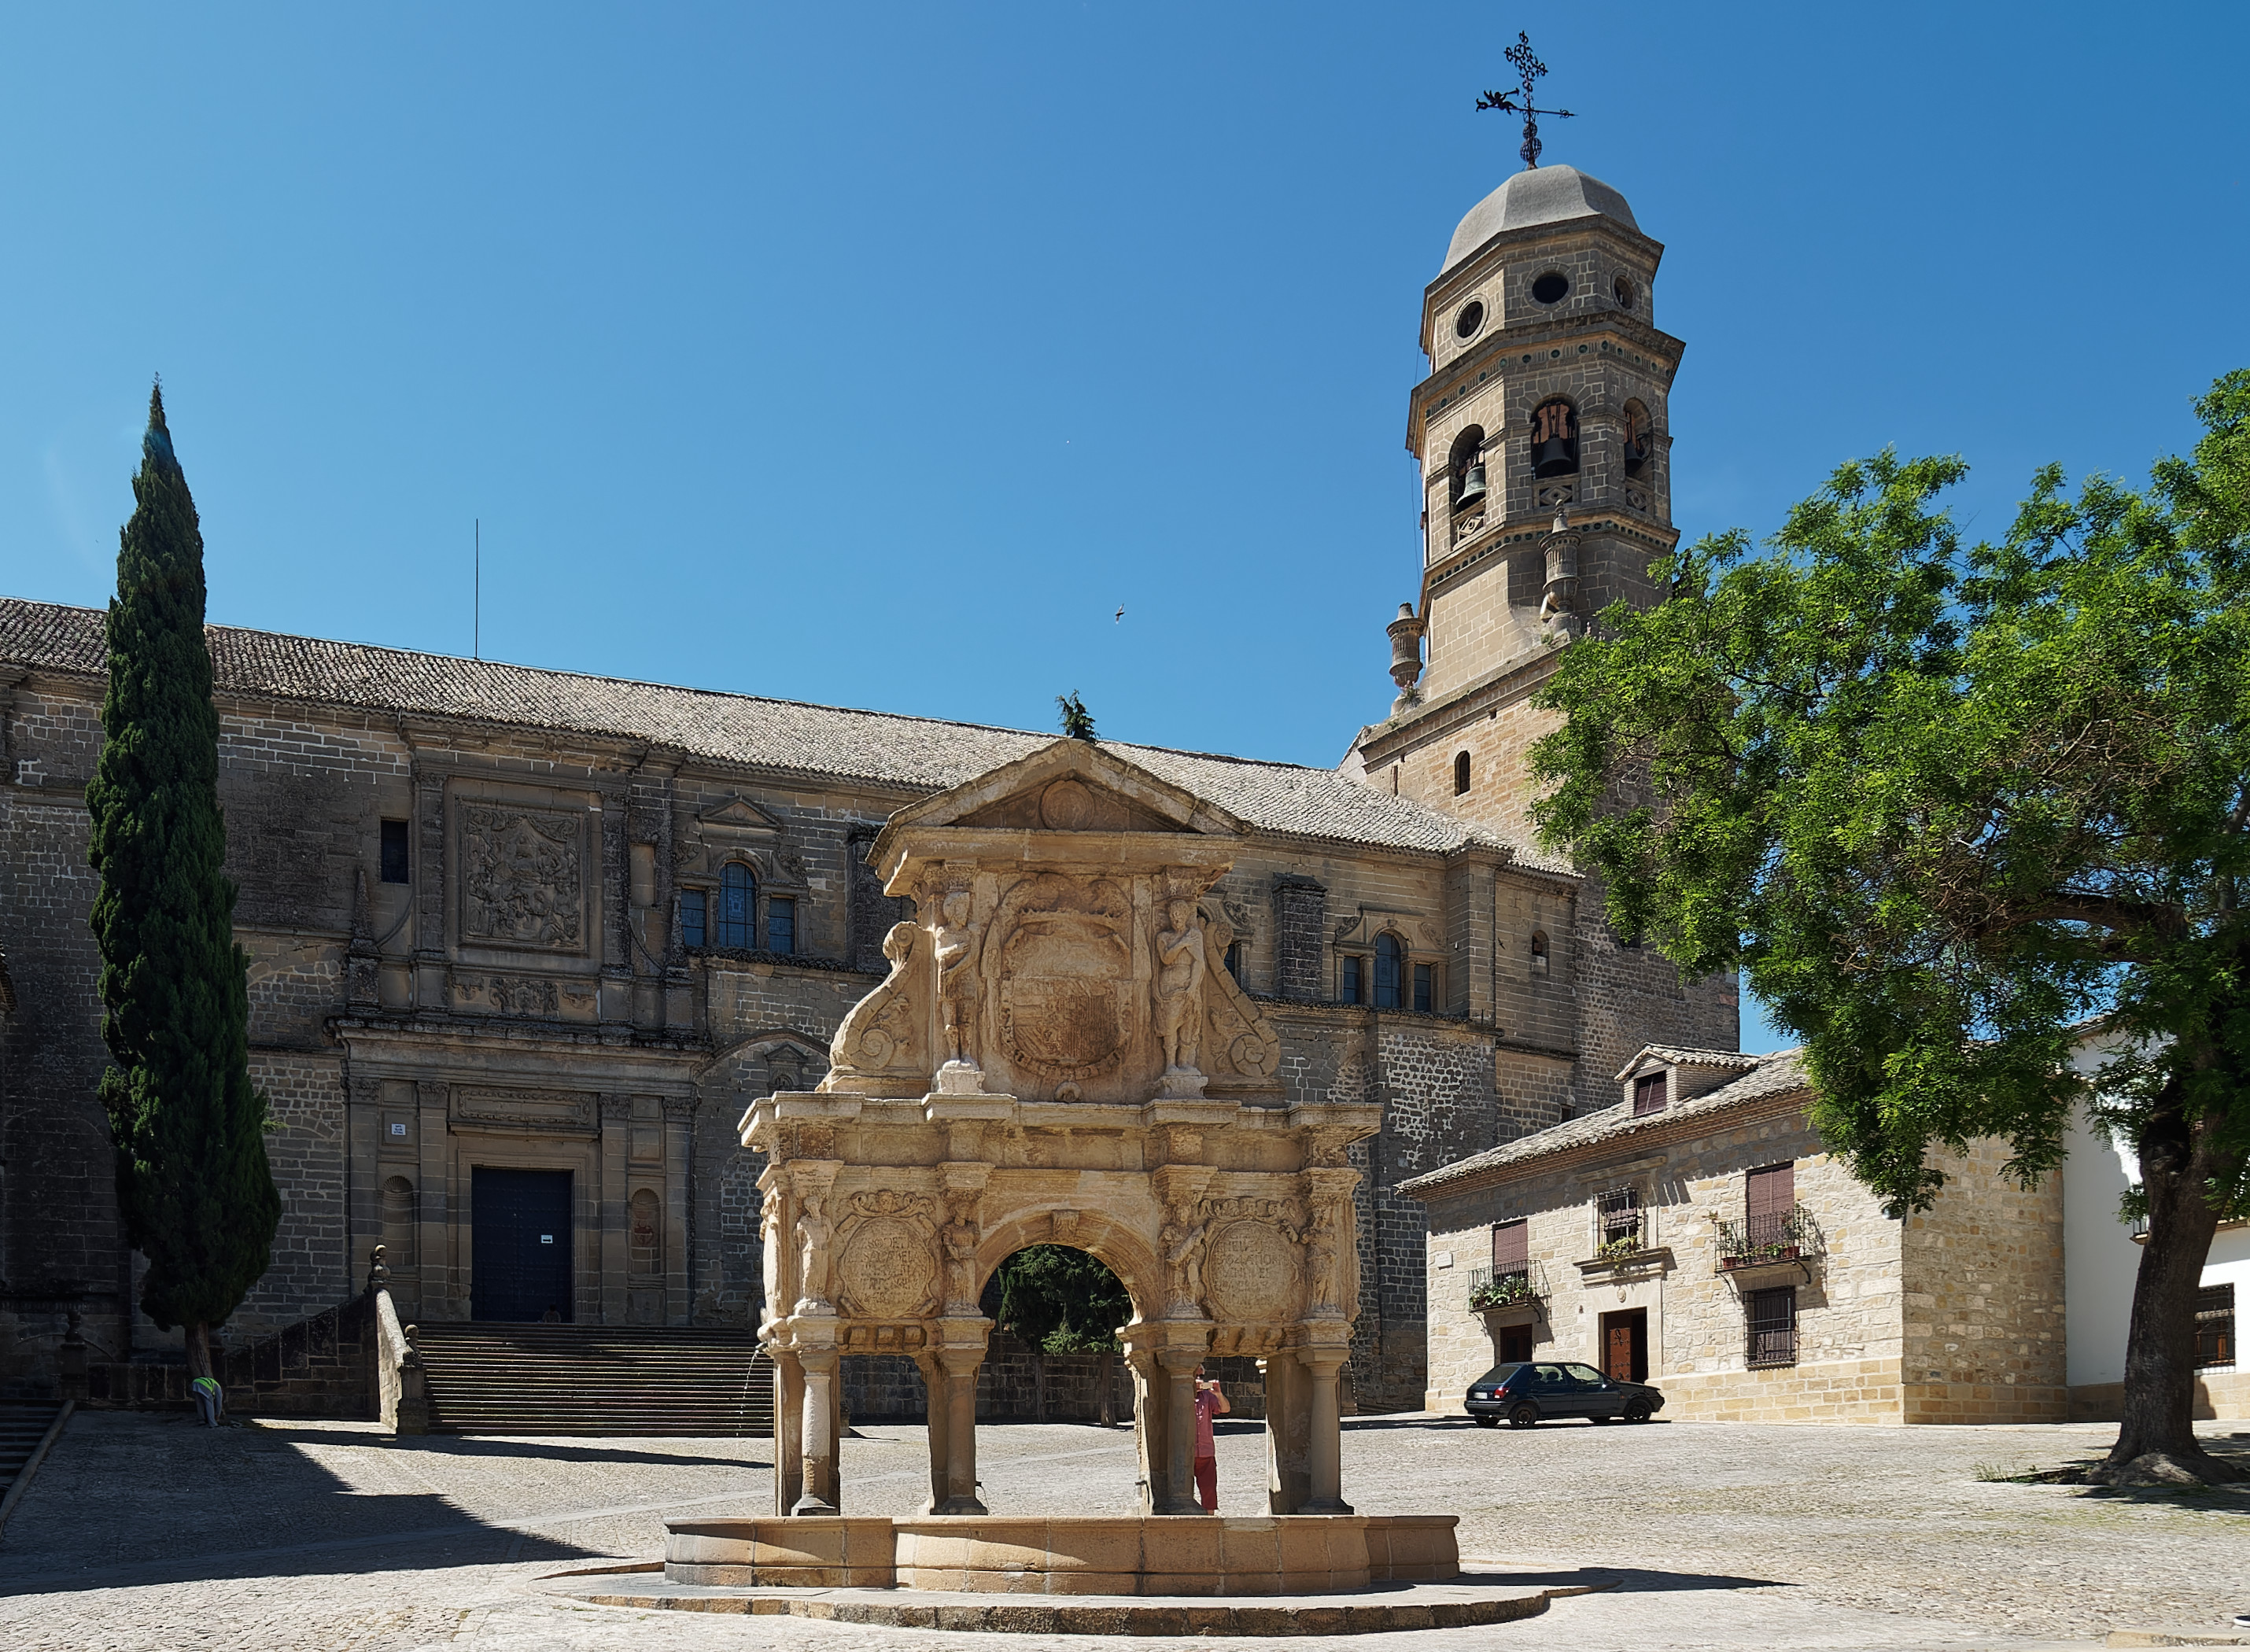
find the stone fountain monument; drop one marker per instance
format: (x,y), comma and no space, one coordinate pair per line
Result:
(1056,1055)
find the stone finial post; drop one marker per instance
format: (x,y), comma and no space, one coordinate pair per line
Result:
(378,1271)
(71,1359)
(1406,634)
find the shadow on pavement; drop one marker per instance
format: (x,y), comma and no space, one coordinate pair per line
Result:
(1625,1579)
(552,1448)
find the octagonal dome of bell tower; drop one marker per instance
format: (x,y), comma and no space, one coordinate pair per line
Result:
(1536,196)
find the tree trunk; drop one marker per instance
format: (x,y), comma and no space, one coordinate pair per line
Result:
(2156,1441)
(1105,1379)
(1039,1386)
(199,1351)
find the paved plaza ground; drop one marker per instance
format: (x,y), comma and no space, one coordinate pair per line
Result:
(145,1532)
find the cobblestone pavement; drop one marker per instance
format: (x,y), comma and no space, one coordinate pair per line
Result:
(146,1533)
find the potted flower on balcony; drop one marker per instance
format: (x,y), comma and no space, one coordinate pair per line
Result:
(1510,1290)
(1620,1246)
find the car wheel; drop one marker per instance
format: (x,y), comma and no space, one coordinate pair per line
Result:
(1486,1422)
(1523,1416)
(1639,1411)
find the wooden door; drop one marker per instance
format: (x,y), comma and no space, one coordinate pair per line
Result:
(1625,1345)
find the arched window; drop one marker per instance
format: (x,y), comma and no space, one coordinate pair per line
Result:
(1465,465)
(1390,973)
(1539,951)
(738,907)
(1555,440)
(1639,440)
(1460,772)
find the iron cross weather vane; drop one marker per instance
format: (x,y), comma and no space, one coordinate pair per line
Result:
(1529,66)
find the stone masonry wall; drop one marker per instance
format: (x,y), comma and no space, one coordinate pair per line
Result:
(1982,1333)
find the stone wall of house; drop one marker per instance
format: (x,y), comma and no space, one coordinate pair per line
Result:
(1955,1316)
(1983,1328)
(1848,1298)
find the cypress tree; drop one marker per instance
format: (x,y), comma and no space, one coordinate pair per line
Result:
(194,1188)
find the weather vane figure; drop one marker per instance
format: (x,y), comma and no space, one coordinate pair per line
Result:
(1529,66)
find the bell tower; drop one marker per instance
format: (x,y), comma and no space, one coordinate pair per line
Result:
(1542,433)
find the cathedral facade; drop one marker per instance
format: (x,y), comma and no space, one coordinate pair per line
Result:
(525,944)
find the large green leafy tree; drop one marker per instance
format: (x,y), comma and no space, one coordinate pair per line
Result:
(1941,803)
(196,1195)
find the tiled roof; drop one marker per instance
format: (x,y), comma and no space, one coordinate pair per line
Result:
(922,753)
(1770,1075)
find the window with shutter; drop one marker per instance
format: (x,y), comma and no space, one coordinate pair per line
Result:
(1771,1202)
(1650,1092)
(1511,1247)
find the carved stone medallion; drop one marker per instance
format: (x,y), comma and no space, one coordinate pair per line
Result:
(1250,1275)
(1066,976)
(886,1271)
(522,881)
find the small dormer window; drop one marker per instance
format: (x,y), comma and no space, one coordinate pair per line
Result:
(1651,1091)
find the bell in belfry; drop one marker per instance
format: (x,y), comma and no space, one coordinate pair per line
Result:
(1471,487)
(1554,440)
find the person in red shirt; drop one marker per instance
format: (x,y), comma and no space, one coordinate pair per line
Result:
(1210,1400)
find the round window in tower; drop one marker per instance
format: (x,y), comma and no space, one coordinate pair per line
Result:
(1624,290)
(1551,287)
(1471,318)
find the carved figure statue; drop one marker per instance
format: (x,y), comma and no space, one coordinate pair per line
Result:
(1184,1256)
(814,1232)
(957,972)
(1321,1244)
(960,1238)
(1181,967)
(770,1253)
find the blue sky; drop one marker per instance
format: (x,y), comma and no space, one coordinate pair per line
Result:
(877,354)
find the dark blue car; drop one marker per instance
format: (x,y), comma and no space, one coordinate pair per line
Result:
(1541,1392)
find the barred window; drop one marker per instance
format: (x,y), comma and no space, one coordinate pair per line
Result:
(1234,961)
(2214,1325)
(693,906)
(1617,1215)
(1769,1324)
(1425,990)
(1351,992)
(781,923)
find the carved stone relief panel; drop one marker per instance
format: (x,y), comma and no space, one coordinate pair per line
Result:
(888,1264)
(549,1112)
(522,878)
(521,995)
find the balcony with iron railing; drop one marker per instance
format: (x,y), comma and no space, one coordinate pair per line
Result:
(1520,1287)
(1767,1240)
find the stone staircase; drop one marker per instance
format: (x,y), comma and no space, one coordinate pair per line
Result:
(22,1427)
(595,1379)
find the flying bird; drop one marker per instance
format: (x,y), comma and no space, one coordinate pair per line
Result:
(1121,614)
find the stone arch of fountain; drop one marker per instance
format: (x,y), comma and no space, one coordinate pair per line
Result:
(1057,1056)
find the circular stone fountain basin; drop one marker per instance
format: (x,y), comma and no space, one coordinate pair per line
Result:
(1171,1555)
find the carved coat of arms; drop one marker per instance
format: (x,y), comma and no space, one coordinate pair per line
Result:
(1065,996)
